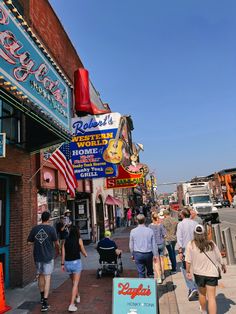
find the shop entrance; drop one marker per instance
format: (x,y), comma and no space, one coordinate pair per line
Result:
(82,218)
(4,227)
(100,217)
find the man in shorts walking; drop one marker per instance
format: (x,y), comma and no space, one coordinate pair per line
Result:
(44,239)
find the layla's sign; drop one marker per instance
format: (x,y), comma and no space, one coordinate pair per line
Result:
(125,179)
(134,296)
(2,145)
(24,65)
(94,153)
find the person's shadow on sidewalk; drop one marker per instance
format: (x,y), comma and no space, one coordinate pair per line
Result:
(165,287)
(224,304)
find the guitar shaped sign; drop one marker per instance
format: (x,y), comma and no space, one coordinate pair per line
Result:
(113,153)
(134,156)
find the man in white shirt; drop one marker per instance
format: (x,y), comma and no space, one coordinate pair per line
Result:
(185,233)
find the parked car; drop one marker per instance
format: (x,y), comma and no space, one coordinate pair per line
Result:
(225,203)
(217,203)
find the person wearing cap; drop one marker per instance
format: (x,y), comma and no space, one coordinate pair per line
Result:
(107,243)
(62,232)
(204,257)
(185,231)
(67,220)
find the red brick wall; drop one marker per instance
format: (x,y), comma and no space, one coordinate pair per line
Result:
(23,204)
(23,195)
(47,26)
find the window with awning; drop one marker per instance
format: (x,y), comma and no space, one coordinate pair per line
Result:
(111,200)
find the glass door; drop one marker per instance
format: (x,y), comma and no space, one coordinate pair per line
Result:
(82,218)
(4,227)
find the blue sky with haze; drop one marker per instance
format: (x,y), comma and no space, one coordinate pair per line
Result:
(171,65)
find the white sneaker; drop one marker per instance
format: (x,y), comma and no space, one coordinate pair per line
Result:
(77,299)
(72,308)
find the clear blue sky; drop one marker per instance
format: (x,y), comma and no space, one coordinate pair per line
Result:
(171,65)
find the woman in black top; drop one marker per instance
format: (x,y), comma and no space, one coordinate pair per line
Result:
(71,262)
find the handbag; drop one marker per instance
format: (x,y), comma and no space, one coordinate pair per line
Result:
(217,267)
(167,262)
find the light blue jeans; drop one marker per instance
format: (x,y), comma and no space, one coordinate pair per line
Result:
(191,285)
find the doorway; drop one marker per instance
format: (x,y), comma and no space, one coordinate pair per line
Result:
(4,227)
(100,217)
(82,218)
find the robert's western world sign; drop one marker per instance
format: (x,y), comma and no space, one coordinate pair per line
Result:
(93,147)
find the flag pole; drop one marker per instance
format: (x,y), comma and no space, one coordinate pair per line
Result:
(37,171)
(44,163)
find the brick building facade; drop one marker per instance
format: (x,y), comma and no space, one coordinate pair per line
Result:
(32,119)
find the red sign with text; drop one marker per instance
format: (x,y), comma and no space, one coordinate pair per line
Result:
(125,179)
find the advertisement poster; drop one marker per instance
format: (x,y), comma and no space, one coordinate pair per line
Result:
(134,296)
(2,145)
(96,148)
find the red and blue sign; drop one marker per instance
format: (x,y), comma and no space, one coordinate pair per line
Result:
(94,152)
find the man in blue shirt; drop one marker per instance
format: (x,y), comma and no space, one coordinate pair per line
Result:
(107,243)
(142,247)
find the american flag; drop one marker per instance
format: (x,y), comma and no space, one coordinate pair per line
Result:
(61,159)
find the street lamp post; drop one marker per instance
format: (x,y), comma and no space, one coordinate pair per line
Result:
(152,188)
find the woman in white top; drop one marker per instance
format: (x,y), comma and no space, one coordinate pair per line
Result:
(204,257)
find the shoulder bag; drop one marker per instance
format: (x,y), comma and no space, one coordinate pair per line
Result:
(217,267)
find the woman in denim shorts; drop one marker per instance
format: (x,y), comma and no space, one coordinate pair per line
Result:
(71,262)
(204,257)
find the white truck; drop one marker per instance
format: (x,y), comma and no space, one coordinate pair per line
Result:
(197,196)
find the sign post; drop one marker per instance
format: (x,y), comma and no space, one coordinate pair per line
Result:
(2,145)
(134,296)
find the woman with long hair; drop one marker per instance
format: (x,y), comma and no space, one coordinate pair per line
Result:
(205,259)
(71,262)
(159,238)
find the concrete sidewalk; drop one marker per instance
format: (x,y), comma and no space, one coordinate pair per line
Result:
(96,295)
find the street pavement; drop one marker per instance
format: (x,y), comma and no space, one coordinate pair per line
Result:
(96,294)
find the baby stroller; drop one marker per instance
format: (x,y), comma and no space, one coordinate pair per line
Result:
(109,261)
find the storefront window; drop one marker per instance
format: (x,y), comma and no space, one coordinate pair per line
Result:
(10,122)
(54,202)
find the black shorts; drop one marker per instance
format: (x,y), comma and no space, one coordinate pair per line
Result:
(202,281)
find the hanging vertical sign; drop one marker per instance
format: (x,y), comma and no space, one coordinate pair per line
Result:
(96,148)
(2,145)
